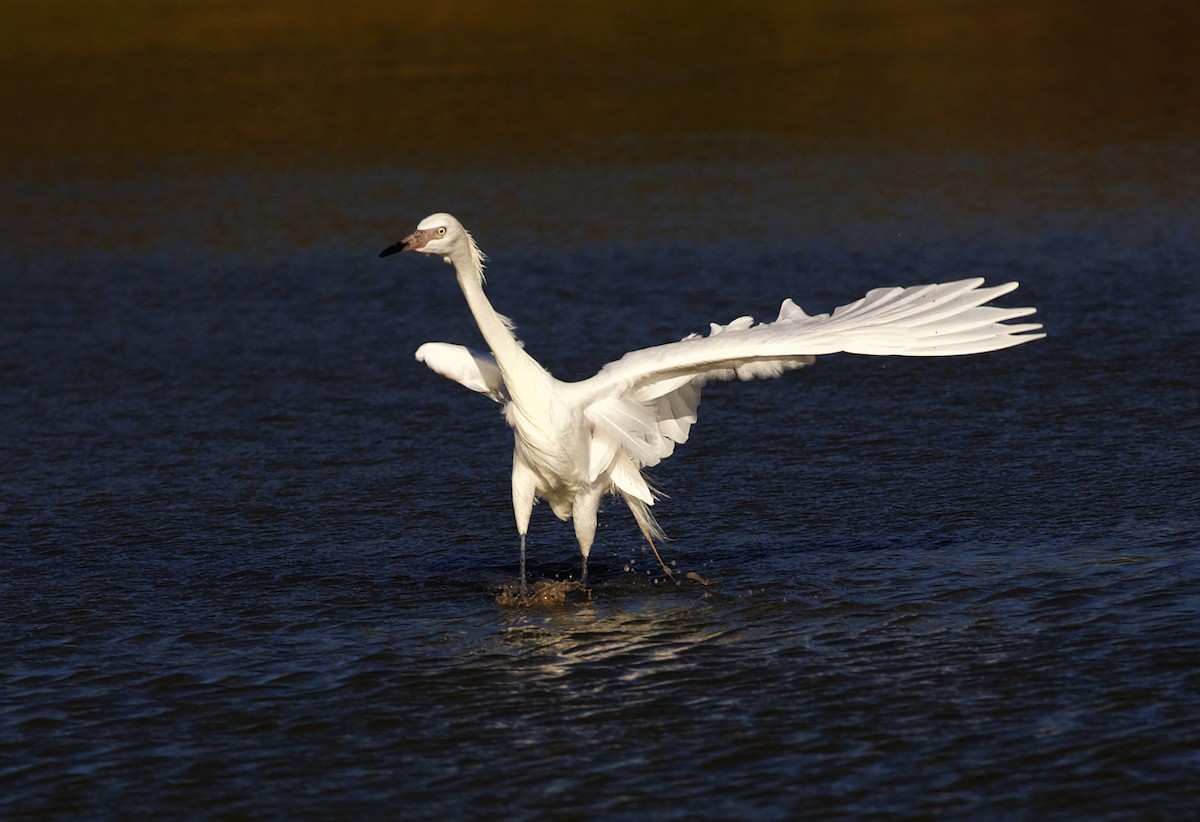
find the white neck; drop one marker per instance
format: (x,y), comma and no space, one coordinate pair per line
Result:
(510,356)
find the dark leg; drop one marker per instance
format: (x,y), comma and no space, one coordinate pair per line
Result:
(666,570)
(583,573)
(524,587)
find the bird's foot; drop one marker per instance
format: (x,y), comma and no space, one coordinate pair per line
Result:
(666,570)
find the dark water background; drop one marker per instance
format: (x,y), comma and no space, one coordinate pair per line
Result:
(250,548)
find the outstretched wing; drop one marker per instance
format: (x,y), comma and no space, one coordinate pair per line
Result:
(471,369)
(645,403)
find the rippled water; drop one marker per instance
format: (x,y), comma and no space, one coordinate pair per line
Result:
(250,550)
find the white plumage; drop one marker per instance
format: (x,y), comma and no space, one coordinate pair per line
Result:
(575,442)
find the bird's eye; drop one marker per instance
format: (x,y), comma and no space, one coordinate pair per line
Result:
(442,231)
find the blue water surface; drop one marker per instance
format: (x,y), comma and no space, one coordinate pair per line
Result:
(251,548)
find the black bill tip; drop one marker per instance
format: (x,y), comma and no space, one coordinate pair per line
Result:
(393,249)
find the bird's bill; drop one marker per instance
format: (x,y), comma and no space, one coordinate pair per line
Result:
(413,242)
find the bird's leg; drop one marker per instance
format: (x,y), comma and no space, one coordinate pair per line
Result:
(524,587)
(583,513)
(666,570)
(523,483)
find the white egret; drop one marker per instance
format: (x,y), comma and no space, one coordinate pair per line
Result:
(577,441)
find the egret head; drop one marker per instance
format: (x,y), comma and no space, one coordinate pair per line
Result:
(436,234)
